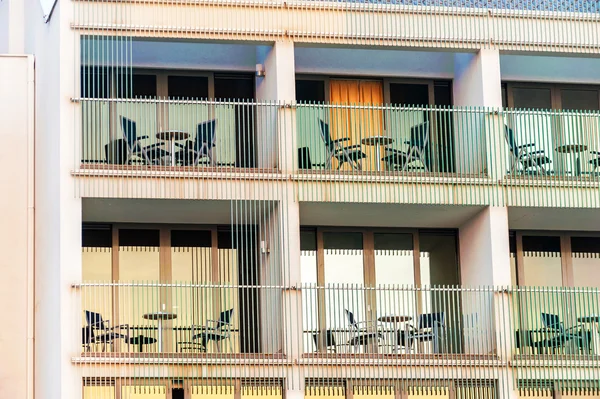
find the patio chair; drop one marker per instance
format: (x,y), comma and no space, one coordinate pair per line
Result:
(214,330)
(202,147)
(362,333)
(150,154)
(99,331)
(431,328)
(330,344)
(525,156)
(335,150)
(595,161)
(556,336)
(418,147)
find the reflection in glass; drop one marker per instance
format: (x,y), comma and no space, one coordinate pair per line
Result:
(98,392)
(308,274)
(139,262)
(527,97)
(394,265)
(439,266)
(191,263)
(432,394)
(344,265)
(269,392)
(143,392)
(369,392)
(96,266)
(542,268)
(512,240)
(541,261)
(212,392)
(586,261)
(325,392)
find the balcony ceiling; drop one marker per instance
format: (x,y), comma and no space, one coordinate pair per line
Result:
(385,215)
(554,219)
(164,211)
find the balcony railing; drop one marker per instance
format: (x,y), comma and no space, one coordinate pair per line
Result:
(567,6)
(414,335)
(468,24)
(186,135)
(400,321)
(363,139)
(434,155)
(239,321)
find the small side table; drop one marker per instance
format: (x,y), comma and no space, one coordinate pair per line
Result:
(574,150)
(377,142)
(160,317)
(171,136)
(395,320)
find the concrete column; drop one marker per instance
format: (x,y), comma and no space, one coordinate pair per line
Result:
(278,85)
(57,209)
(12,27)
(485,261)
(16,243)
(484,249)
(479,137)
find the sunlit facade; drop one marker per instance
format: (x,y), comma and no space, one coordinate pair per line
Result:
(301,198)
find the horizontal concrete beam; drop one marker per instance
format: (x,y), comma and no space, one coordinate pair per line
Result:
(344,24)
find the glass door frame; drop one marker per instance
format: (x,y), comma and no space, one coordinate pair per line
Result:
(368,248)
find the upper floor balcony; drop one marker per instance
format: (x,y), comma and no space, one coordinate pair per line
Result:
(390,131)
(469,24)
(451,151)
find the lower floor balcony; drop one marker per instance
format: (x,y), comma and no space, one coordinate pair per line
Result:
(341,324)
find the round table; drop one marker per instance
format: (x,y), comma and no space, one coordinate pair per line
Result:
(572,149)
(171,136)
(140,341)
(593,321)
(377,142)
(394,320)
(160,317)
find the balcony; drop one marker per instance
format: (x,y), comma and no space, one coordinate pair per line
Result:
(338,320)
(509,25)
(411,334)
(425,155)
(152,135)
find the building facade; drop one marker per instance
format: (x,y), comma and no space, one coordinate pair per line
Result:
(230,198)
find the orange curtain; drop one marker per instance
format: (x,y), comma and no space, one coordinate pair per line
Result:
(352,121)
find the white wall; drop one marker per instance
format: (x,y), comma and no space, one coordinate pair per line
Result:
(4,10)
(12,26)
(16,243)
(58,211)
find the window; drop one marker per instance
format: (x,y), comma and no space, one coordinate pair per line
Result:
(531,97)
(310,90)
(579,99)
(95,82)
(542,264)
(188,87)
(586,261)
(96,264)
(137,85)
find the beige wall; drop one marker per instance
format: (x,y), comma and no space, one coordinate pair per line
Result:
(16,238)
(57,210)
(12,27)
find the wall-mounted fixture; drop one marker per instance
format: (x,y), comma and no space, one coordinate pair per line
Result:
(260,70)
